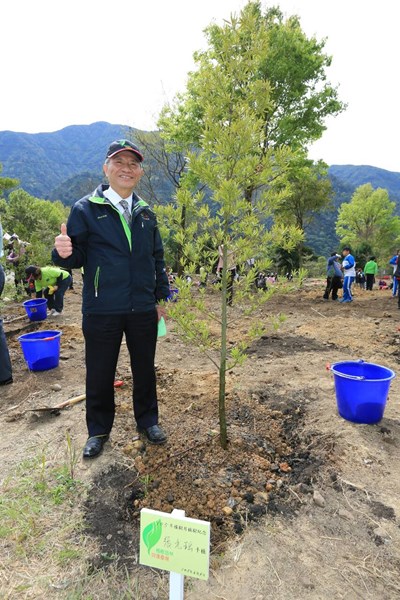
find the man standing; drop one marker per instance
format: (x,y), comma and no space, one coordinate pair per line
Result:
(370,270)
(333,277)
(5,363)
(349,271)
(393,261)
(113,235)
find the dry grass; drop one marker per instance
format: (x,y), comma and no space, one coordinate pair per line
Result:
(43,543)
(41,528)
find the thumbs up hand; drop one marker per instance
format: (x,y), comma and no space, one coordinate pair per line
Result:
(62,243)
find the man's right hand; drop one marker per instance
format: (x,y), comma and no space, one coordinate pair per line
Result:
(62,243)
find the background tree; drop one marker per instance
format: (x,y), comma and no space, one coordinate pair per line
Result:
(265,51)
(369,219)
(6,183)
(309,193)
(362,253)
(161,162)
(230,158)
(35,221)
(268,52)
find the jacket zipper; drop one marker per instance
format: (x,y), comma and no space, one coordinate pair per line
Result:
(136,208)
(96,282)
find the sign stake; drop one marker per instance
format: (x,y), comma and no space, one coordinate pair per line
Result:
(176,580)
(175,543)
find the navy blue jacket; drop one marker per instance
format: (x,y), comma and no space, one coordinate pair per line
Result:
(333,267)
(124,268)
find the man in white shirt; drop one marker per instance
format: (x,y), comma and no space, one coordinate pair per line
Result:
(349,271)
(113,234)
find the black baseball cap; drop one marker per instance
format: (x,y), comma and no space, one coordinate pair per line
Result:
(121,146)
(31,270)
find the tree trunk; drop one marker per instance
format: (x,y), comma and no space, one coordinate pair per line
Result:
(248,194)
(300,250)
(222,362)
(179,254)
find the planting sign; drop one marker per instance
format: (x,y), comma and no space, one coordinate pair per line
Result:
(177,544)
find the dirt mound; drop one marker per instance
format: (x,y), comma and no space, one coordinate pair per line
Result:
(232,488)
(299,492)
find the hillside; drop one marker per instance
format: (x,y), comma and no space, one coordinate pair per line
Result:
(66,164)
(44,161)
(354,176)
(345,180)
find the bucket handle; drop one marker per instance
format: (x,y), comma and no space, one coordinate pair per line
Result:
(346,376)
(48,339)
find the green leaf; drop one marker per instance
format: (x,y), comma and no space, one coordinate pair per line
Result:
(152,534)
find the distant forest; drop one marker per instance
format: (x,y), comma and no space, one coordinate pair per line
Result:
(67,164)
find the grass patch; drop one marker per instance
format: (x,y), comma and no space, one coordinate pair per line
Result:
(28,498)
(44,548)
(120,584)
(41,526)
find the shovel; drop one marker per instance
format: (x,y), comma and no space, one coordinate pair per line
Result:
(56,409)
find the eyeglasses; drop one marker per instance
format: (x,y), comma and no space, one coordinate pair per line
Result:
(133,165)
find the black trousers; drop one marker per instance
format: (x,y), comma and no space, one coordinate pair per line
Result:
(103,337)
(370,281)
(5,363)
(333,284)
(56,300)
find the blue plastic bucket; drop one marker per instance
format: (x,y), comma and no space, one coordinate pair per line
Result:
(41,349)
(361,389)
(36,309)
(173,295)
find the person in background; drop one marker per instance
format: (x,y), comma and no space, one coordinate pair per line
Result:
(170,275)
(349,271)
(5,362)
(261,281)
(18,260)
(333,277)
(52,283)
(71,285)
(370,270)
(360,278)
(393,261)
(383,285)
(396,275)
(114,235)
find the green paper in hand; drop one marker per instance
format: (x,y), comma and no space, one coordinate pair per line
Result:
(152,534)
(162,328)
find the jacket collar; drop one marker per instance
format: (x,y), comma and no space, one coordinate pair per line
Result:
(98,198)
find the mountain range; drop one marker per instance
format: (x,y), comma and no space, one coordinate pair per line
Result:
(66,164)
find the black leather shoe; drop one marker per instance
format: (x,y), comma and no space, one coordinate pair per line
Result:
(7,381)
(154,434)
(94,446)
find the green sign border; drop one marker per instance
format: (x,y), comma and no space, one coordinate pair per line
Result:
(176,544)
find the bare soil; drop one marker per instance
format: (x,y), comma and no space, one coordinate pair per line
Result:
(273,536)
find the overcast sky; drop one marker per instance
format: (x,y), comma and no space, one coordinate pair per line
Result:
(77,62)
